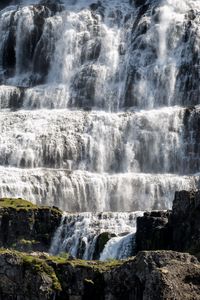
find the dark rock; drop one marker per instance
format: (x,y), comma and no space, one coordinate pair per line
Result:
(8,51)
(155,275)
(28,228)
(153,231)
(81,248)
(178,230)
(5,3)
(16,98)
(95,6)
(54,5)
(151,275)
(101,241)
(186,221)
(138,2)
(23,278)
(84,87)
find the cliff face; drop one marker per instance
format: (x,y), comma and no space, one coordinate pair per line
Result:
(151,275)
(178,229)
(25,226)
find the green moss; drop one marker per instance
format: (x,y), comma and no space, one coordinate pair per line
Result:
(79,263)
(27,242)
(16,203)
(57,259)
(40,266)
(96,265)
(24,245)
(55,267)
(28,245)
(36,264)
(21,204)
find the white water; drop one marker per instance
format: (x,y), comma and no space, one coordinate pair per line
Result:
(78,234)
(84,191)
(94,141)
(101,122)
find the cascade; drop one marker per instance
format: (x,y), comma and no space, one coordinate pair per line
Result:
(99,112)
(78,234)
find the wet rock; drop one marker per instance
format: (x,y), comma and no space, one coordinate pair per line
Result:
(81,248)
(5,3)
(54,5)
(138,2)
(101,241)
(16,98)
(84,87)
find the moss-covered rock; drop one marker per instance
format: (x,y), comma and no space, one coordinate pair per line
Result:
(151,275)
(26,226)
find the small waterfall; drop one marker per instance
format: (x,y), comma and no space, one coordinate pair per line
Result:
(118,248)
(78,235)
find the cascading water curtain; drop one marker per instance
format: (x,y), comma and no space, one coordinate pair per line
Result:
(99,105)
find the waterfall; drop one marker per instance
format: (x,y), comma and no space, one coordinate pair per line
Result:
(99,111)
(78,234)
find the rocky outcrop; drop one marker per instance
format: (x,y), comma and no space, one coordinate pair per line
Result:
(185,221)
(178,229)
(25,226)
(153,231)
(155,275)
(151,275)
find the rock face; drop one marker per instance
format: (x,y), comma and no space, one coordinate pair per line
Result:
(155,275)
(186,222)
(178,229)
(25,278)
(151,275)
(153,231)
(25,226)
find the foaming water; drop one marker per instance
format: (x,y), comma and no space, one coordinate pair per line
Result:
(84,191)
(119,247)
(94,141)
(78,234)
